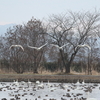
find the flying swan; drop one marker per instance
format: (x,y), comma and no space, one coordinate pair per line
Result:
(17,46)
(37,48)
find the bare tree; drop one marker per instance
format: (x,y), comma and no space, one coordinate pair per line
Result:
(15,54)
(72,29)
(35,37)
(31,33)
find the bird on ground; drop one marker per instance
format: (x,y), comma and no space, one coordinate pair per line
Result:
(41,85)
(29,82)
(49,85)
(83,82)
(59,47)
(51,88)
(23,82)
(78,83)
(37,48)
(17,46)
(16,82)
(84,45)
(37,82)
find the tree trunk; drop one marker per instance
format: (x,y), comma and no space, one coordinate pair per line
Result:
(63,61)
(35,68)
(35,71)
(67,69)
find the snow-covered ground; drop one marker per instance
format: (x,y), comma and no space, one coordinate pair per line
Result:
(48,91)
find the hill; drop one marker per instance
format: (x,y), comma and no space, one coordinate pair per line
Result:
(3,28)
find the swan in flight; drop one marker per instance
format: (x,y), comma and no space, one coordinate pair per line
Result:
(59,47)
(84,45)
(37,48)
(17,46)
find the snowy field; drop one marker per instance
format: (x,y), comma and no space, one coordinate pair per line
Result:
(48,91)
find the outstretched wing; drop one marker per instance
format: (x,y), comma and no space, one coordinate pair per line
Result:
(88,46)
(80,46)
(55,45)
(12,46)
(20,47)
(17,46)
(85,45)
(43,46)
(32,47)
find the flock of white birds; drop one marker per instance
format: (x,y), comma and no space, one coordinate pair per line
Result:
(48,90)
(59,47)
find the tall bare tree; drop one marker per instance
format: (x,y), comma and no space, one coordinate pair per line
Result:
(16,56)
(35,38)
(72,29)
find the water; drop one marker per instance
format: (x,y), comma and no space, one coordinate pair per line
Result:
(32,91)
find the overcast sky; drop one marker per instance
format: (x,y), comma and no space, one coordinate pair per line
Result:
(19,11)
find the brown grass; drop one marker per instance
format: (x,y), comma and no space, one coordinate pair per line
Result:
(47,73)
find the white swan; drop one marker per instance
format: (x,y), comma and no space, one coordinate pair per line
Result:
(78,83)
(41,85)
(17,46)
(59,46)
(16,82)
(37,82)
(83,82)
(23,82)
(29,82)
(37,48)
(84,45)
(50,87)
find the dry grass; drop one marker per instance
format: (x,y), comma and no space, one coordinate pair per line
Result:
(46,73)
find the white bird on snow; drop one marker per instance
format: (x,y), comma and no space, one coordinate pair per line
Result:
(41,85)
(37,82)
(51,87)
(17,46)
(29,82)
(78,83)
(59,47)
(37,48)
(16,82)
(84,45)
(83,82)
